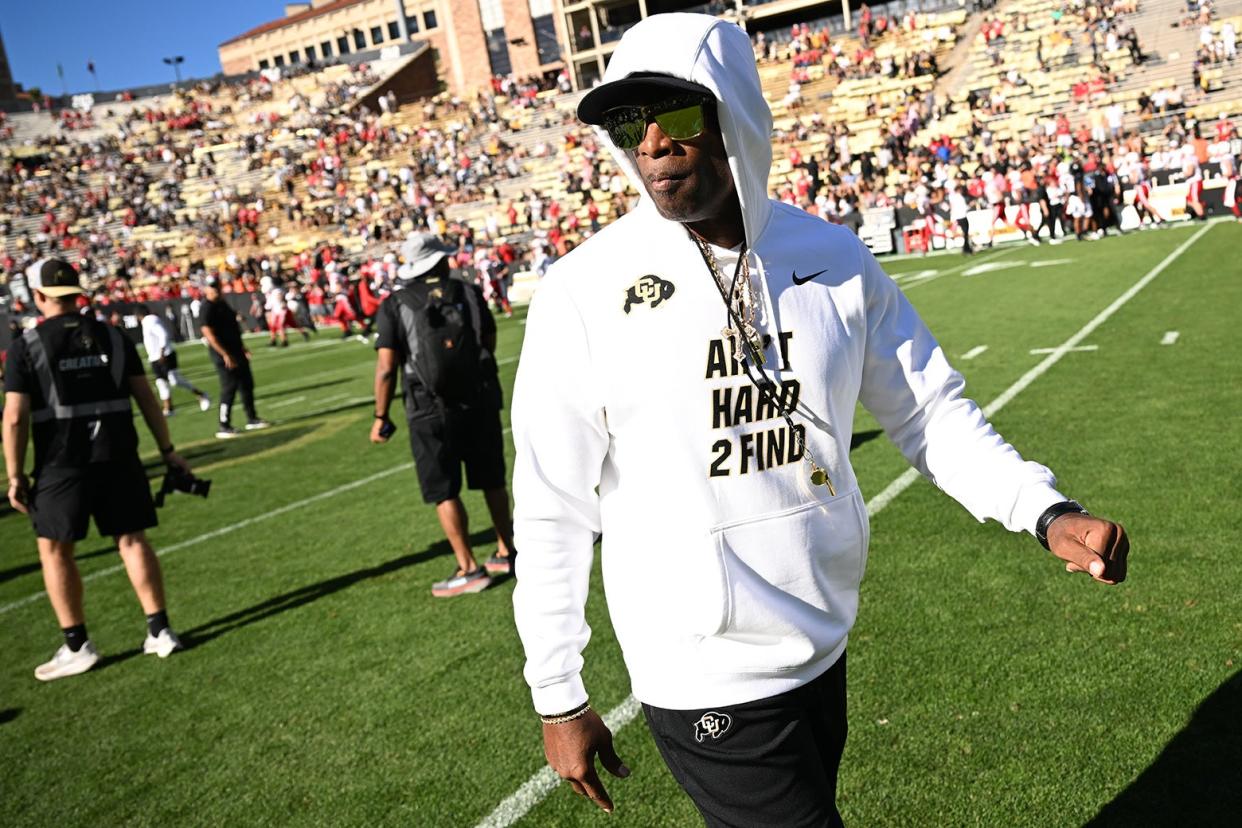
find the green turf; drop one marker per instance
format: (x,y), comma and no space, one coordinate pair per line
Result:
(327,687)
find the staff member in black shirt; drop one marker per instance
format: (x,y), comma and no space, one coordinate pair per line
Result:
(232,360)
(454,428)
(69,383)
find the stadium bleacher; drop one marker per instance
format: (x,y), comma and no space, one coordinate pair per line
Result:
(226,176)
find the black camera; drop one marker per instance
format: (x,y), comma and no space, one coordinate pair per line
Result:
(176,480)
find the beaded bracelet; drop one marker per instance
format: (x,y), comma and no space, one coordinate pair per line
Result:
(566,717)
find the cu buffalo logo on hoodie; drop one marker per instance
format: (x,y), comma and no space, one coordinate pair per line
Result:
(712,725)
(650,290)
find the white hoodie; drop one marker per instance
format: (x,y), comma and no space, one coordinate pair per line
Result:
(729,577)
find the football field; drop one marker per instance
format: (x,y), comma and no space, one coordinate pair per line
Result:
(323,685)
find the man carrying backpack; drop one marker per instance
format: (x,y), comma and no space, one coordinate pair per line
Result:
(439,331)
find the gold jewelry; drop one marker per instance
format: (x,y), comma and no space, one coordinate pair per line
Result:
(748,342)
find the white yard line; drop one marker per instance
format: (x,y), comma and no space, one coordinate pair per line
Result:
(1037,351)
(1170,337)
(232,527)
(544,781)
(970,262)
(974,352)
(290,401)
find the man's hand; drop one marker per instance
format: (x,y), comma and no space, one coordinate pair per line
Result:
(176,461)
(571,748)
(229,362)
(1090,544)
(19,494)
(376,427)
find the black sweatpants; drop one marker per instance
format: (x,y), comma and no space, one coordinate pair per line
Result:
(767,762)
(964,224)
(233,380)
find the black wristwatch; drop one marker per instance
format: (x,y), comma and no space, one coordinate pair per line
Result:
(381,416)
(167,451)
(1065,507)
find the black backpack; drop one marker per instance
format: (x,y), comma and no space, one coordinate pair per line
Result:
(440,321)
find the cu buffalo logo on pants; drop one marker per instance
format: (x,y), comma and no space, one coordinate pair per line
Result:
(650,290)
(712,724)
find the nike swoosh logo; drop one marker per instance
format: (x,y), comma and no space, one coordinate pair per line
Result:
(804,279)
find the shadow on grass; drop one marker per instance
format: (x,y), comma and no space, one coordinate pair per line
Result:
(860,437)
(35,566)
(1197,778)
(284,392)
(247,443)
(9,714)
(336,409)
(302,596)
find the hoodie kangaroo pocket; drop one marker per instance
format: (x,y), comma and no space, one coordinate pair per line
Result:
(791,581)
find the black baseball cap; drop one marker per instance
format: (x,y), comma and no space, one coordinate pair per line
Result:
(636,88)
(53,277)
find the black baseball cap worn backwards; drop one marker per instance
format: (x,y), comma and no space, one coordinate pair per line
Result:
(53,277)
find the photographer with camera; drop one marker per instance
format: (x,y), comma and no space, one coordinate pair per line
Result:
(68,385)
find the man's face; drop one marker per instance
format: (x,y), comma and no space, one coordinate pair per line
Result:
(211,293)
(688,180)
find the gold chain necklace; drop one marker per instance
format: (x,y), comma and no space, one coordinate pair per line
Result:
(741,331)
(746,340)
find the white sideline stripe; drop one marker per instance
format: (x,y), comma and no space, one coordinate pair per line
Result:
(1169,337)
(545,779)
(1054,350)
(506,360)
(285,402)
(225,530)
(974,352)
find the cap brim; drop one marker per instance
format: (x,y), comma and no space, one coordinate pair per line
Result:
(58,292)
(634,89)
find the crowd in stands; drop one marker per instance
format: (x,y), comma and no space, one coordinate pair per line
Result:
(293,182)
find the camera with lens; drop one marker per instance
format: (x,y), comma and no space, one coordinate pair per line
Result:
(177,480)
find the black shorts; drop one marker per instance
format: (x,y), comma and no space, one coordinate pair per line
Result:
(117,495)
(161,367)
(442,443)
(768,762)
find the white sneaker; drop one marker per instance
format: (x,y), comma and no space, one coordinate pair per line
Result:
(68,663)
(255,425)
(204,403)
(162,645)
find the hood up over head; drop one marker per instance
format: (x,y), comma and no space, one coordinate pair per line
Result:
(716,55)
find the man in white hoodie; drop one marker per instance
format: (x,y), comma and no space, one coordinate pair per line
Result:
(719,458)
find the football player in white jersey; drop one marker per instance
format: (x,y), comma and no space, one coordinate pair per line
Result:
(158,343)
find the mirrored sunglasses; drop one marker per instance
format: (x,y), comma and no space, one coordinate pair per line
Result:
(679,118)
